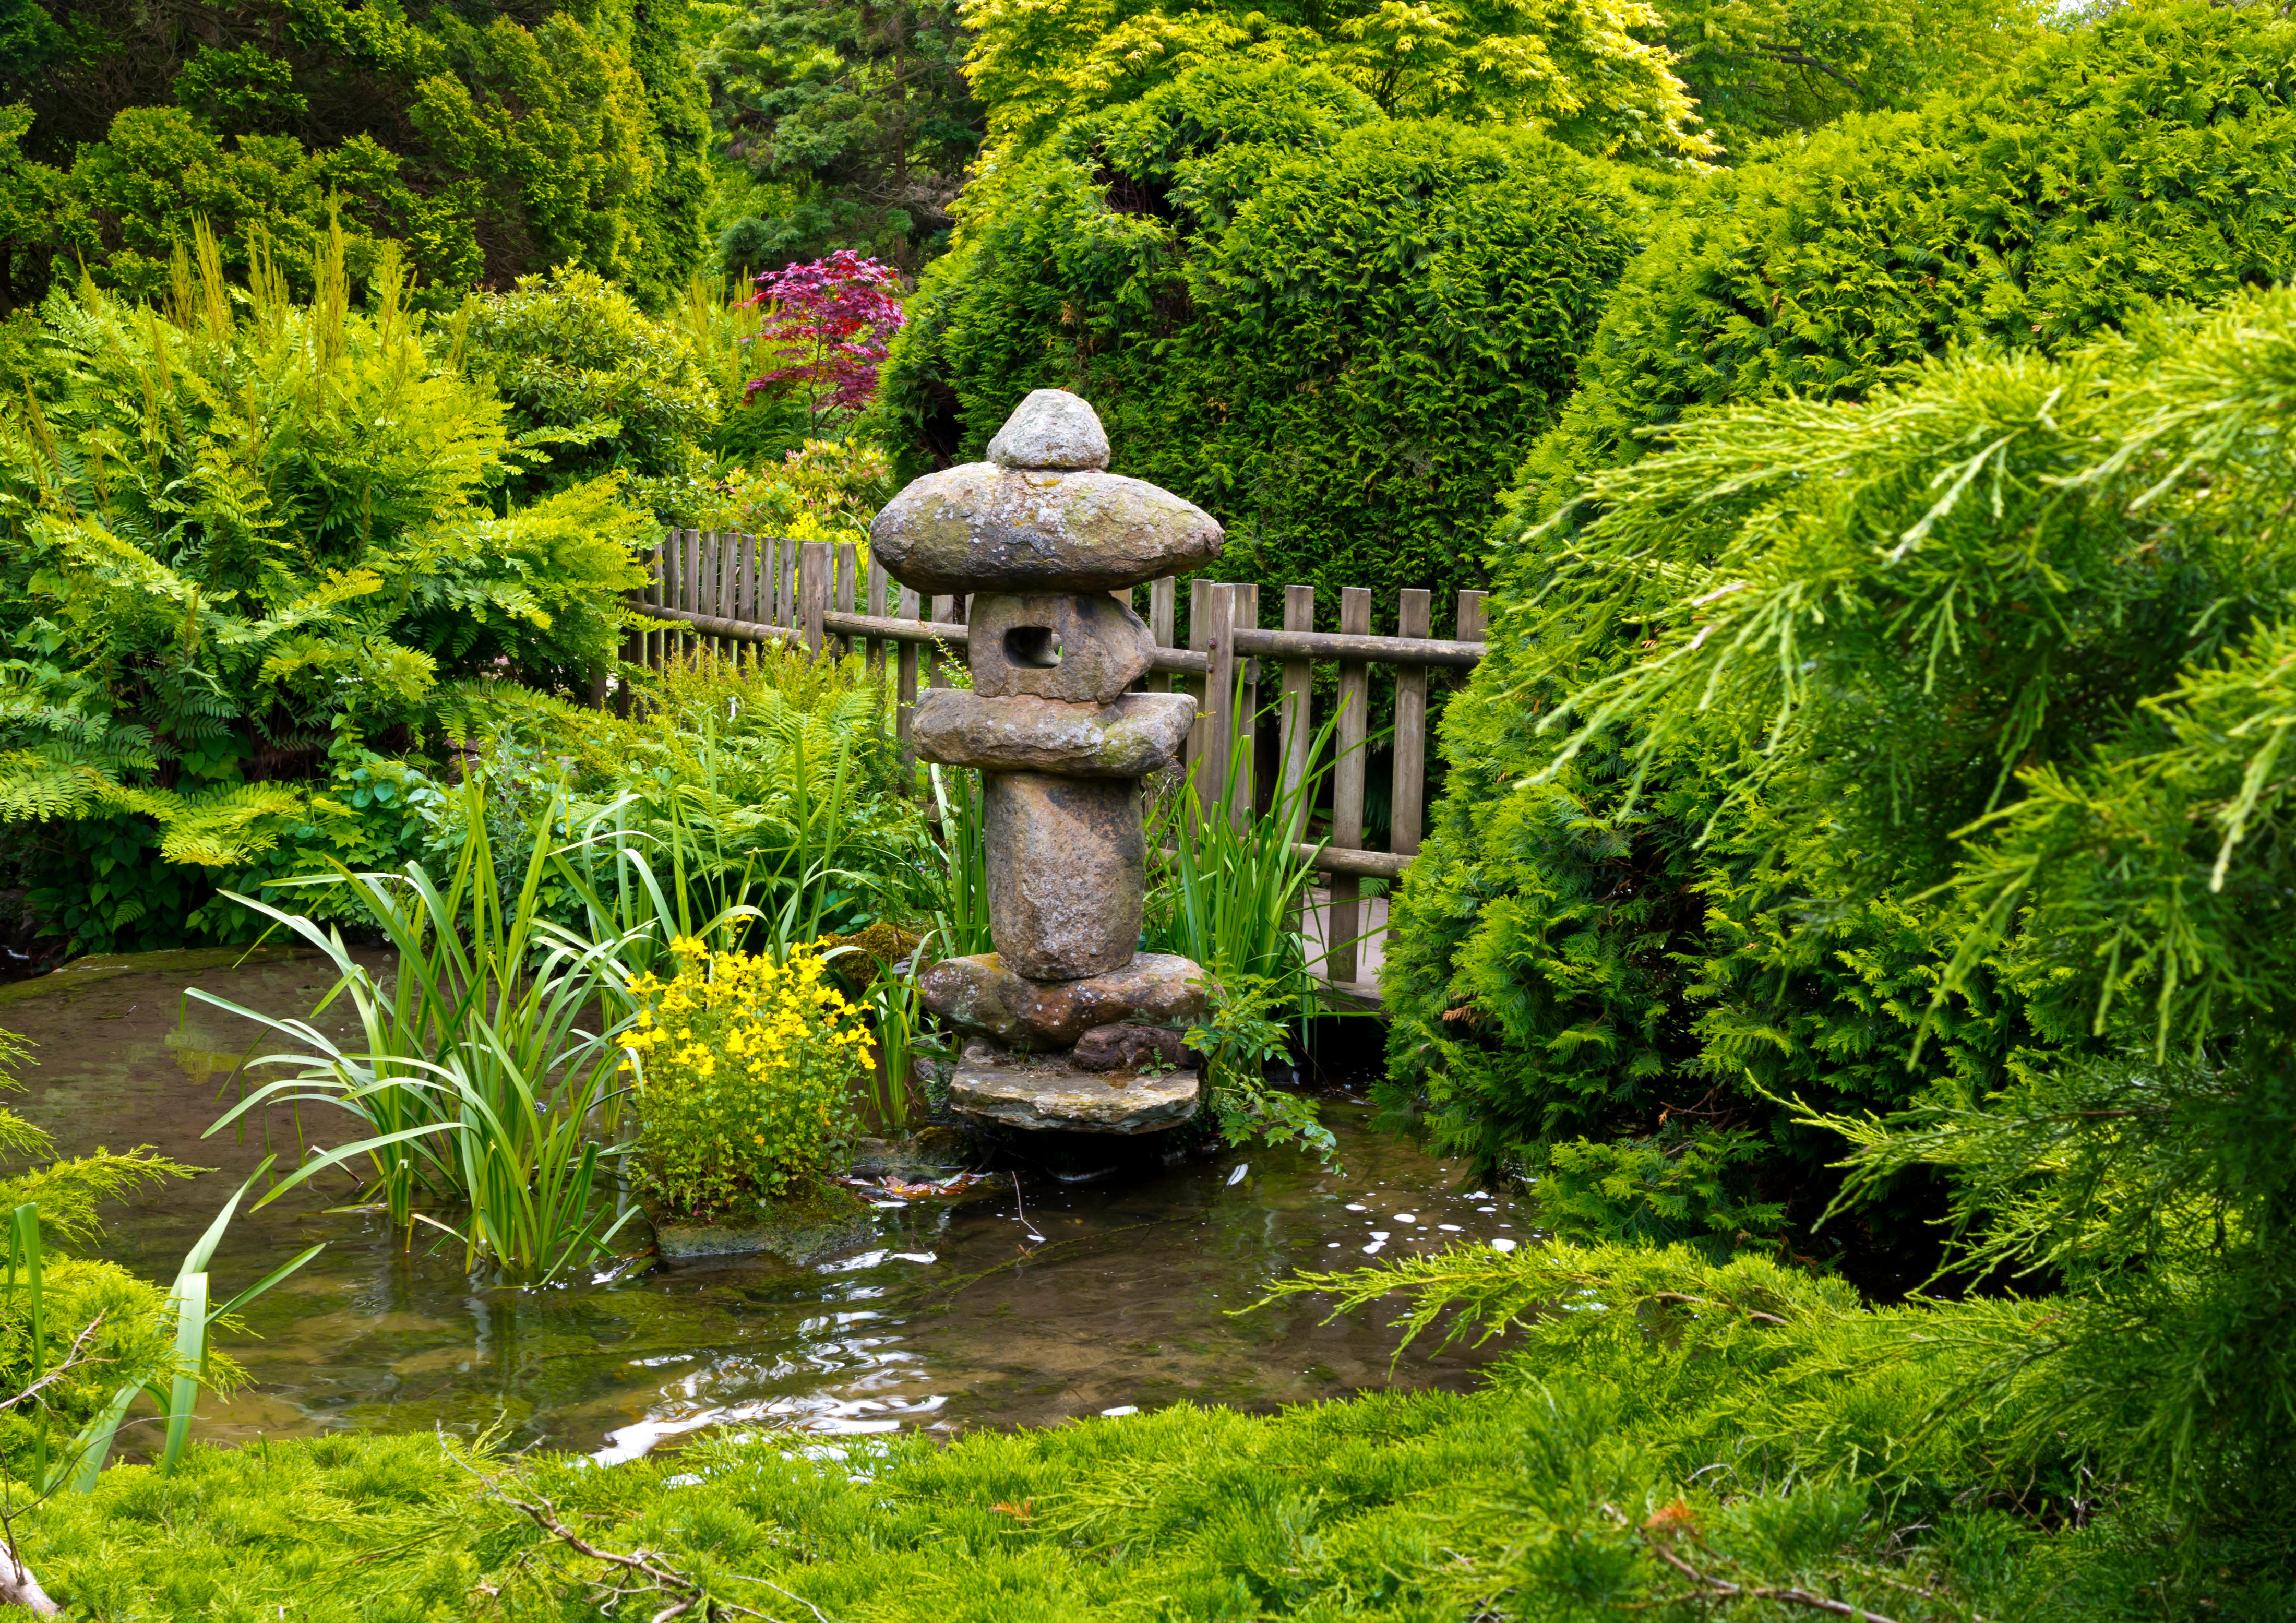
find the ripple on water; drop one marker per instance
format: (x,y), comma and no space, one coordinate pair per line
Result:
(951,1318)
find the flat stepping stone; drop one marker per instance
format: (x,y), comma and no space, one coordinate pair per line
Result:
(1053,1095)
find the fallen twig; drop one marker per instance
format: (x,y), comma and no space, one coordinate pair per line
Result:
(684,1594)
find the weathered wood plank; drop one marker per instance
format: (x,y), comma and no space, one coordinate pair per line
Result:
(1163,601)
(1219,696)
(813,593)
(1295,710)
(905,674)
(1342,923)
(1243,743)
(1472,624)
(847,565)
(1413,618)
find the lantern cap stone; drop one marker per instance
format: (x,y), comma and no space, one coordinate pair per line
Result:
(1051,429)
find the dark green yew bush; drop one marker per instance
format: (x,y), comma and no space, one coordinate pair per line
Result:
(1334,331)
(2148,160)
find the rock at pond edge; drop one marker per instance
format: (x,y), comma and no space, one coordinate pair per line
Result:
(1052,1096)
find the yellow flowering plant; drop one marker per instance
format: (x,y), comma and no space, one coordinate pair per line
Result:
(745,1068)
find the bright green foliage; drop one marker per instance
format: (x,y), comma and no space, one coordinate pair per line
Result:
(1773,1435)
(490,142)
(1758,68)
(1331,331)
(861,111)
(238,540)
(1585,71)
(2144,162)
(571,352)
(773,783)
(2007,647)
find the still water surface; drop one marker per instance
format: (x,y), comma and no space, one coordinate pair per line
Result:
(953,1317)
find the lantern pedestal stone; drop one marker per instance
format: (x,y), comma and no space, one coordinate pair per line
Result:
(1081,1028)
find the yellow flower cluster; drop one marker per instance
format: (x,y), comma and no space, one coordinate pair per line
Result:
(746,1066)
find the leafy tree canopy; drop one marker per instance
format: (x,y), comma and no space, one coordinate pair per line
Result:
(490,142)
(1670,80)
(1585,71)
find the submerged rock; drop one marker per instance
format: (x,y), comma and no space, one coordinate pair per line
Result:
(1138,734)
(828,1220)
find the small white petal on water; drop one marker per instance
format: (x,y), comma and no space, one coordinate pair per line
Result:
(1128,1408)
(1502,1245)
(1450,1228)
(1406,1216)
(1375,1248)
(1236,1177)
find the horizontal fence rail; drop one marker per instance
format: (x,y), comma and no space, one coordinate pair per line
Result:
(713,589)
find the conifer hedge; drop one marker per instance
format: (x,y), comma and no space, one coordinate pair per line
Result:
(1606,974)
(2140,163)
(1337,332)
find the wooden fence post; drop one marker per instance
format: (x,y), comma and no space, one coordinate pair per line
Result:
(1342,921)
(789,604)
(1200,641)
(727,547)
(1218,604)
(874,648)
(848,566)
(1244,723)
(1471,617)
(1163,597)
(813,593)
(1414,611)
(693,603)
(942,609)
(905,657)
(1294,731)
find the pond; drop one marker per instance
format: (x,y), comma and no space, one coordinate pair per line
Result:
(952,1318)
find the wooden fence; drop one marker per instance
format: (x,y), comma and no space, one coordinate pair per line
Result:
(714,589)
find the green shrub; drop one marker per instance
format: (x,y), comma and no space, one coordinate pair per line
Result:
(602,386)
(2145,161)
(1332,331)
(1728,892)
(746,1065)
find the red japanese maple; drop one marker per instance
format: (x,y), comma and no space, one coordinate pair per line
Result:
(833,318)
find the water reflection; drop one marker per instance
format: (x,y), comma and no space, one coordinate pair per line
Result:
(1107,1296)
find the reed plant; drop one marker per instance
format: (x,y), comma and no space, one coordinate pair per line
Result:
(481,1089)
(959,879)
(1232,881)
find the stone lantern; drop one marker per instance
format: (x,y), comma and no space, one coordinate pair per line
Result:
(1080,1029)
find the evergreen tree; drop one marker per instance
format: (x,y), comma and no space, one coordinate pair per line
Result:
(861,110)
